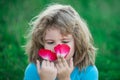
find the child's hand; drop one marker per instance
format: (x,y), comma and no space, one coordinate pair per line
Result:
(47,71)
(64,69)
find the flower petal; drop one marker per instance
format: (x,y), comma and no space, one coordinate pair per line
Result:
(62,49)
(47,54)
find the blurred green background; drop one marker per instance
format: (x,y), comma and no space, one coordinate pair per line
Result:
(102,16)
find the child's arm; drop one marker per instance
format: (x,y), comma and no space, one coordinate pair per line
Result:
(47,71)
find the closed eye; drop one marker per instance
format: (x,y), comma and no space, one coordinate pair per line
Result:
(65,41)
(50,42)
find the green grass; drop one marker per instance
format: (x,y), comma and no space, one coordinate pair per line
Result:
(102,17)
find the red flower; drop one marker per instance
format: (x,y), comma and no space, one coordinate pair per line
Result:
(62,49)
(47,54)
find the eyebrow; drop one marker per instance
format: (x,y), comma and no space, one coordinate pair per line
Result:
(66,38)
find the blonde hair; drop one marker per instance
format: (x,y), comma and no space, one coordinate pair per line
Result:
(65,18)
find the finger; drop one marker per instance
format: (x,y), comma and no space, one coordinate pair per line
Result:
(57,67)
(52,64)
(38,66)
(71,63)
(43,63)
(48,64)
(60,62)
(64,62)
(59,59)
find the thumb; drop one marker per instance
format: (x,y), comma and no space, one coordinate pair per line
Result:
(38,66)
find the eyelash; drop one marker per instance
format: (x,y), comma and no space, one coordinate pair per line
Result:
(50,42)
(61,42)
(65,41)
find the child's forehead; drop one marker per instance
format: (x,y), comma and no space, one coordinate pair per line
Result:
(58,30)
(56,34)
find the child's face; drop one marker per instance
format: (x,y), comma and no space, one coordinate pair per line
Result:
(53,37)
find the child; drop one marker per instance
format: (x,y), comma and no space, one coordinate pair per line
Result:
(61,24)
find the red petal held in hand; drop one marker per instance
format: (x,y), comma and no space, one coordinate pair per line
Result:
(62,49)
(47,54)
